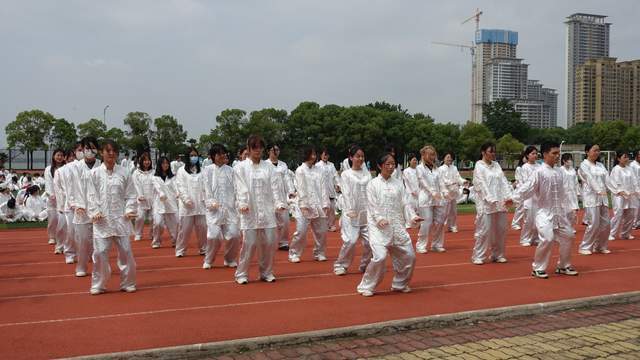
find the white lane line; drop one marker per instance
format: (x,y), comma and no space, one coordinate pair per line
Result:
(275,301)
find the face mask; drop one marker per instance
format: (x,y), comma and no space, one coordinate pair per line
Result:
(89,154)
(194,160)
(79,155)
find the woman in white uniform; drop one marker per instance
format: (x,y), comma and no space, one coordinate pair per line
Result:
(112,204)
(528,234)
(332,182)
(571,187)
(314,205)
(624,197)
(353,223)
(492,197)
(411,184)
(165,203)
(595,202)
(191,207)
(143,180)
(34,208)
(452,183)
(431,203)
(518,215)
(61,186)
(388,209)
(55,223)
(282,170)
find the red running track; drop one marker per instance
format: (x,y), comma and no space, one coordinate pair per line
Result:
(47,312)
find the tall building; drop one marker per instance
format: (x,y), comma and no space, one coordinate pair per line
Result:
(506,78)
(608,90)
(587,38)
(490,43)
(539,108)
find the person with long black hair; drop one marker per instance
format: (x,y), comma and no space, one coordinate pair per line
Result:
(191,207)
(165,203)
(332,183)
(55,224)
(624,188)
(518,215)
(528,234)
(452,183)
(411,183)
(62,187)
(571,186)
(595,202)
(282,170)
(143,181)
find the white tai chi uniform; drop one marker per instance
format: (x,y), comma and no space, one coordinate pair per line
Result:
(572,188)
(528,234)
(282,217)
(622,179)
(113,195)
(432,208)
(452,182)
(191,210)
(332,179)
(412,188)
(175,166)
(387,200)
(62,186)
(165,210)
(518,215)
(313,205)
(83,232)
(353,223)
(143,181)
(10,215)
(635,165)
(596,206)
(546,188)
(257,189)
(34,209)
(492,191)
(55,221)
(223,223)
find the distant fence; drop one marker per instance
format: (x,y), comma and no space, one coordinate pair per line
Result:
(17,160)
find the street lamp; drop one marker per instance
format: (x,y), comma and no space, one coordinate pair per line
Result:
(104,115)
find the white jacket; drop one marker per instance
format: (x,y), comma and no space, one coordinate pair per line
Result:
(77,193)
(190,188)
(594,184)
(220,195)
(623,179)
(523,176)
(313,195)
(165,198)
(49,188)
(143,181)
(257,189)
(387,200)
(286,184)
(112,194)
(452,181)
(491,188)
(61,186)
(354,195)
(331,178)
(571,186)
(175,166)
(432,188)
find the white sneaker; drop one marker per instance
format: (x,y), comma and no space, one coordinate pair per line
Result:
(604,251)
(421,251)
(96,291)
(611,238)
(405,289)
(584,252)
(294,259)
(242,281)
(438,250)
(52,241)
(501,260)
(232,264)
(526,244)
(339,271)
(516,227)
(129,289)
(57,251)
(332,229)
(69,261)
(269,278)
(631,237)
(477,262)
(81,273)
(366,293)
(206,266)
(321,258)
(137,238)
(179,255)
(155,246)
(453,229)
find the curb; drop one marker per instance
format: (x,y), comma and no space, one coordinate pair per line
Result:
(257,343)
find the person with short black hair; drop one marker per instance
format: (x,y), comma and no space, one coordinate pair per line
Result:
(624,188)
(62,186)
(34,207)
(165,203)
(595,202)
(332,182)
(143,182)
(191,207)
(571,186)
(176,164)
(282,170)
(528,236)
(9,212)
(411,184)
(452,183)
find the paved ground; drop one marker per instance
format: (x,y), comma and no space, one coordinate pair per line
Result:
(608,332)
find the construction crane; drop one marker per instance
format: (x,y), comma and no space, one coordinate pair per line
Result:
(475,17)
(471,47)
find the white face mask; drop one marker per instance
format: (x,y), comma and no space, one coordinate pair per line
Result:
(79,155)
(89,154)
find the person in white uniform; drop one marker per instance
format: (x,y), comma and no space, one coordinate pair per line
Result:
(332,182)
(240,156)
(112,202)
(9,211)
(282,170)
(176,164)
(165,203)
(411,184)
(431,203)
(83,232)
(258,199)
(518,215)
(191,206)
(353,223)
(635,166)
(35,208)
(223,223)
(452,183)
(55,224)
(143,181)
(387,211)
(493,194)
(595,202)
(314,205)
(126,163)
(528,235)
(62,186)
(623,184)
(545,186)
(571,186)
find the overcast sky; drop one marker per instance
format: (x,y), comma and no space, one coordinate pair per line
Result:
(193,59)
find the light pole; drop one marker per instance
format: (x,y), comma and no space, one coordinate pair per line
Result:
(104,115)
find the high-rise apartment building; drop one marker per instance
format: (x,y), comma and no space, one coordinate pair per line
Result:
(506,78)
(587,38)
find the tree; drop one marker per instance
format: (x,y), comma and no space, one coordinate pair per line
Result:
(580,133)
(3,158)
(63,135)
(472,136)
(608,134)
(28,132)
(630,140)
(93,127)
(139,131)
(540,136)
(510,148)
(168,136)
(446,137)
(501,119)
(228,130)
(117,135)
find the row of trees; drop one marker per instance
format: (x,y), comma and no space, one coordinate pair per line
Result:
(335,127)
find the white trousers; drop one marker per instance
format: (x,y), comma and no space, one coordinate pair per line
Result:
(403,259)
(282,229)
(229,234)
(490,236)
(143,214)
(529,234)
(518,215)
(433,223)
(622,223)
(547,235)
(56,228)
(596,236)
(102,269)
(69,245)
(160,221)
(452,213)
(350,235)
(299,240)
(331,216)
(196,223)
(265,241)
(636,218)
(84,245)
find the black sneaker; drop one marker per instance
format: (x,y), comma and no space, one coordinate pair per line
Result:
(567,271)
(540,274)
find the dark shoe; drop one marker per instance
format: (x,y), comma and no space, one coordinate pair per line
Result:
(540,274)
